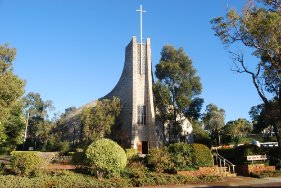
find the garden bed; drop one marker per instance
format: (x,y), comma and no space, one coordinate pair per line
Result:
(67,178)
(246,170)
(202,171)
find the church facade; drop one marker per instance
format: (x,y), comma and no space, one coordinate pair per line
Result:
(134,89)
(139,129)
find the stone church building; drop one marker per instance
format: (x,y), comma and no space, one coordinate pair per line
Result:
(134,90)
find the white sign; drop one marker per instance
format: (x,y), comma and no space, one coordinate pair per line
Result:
(256,157)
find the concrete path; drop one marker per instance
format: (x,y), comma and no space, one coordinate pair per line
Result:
(238,181)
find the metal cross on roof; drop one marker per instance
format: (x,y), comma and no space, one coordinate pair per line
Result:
(141,11)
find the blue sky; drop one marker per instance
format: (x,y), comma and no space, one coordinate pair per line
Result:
(72,51)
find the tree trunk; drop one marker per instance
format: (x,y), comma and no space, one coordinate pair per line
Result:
(277,134)
(279,145)
(219,137)
(169,133)
(270,108)
(164,134)
(270,133)
(276,121)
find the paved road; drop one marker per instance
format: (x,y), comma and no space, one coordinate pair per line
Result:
(238,181)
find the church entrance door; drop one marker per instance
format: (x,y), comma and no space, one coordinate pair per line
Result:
(144,147)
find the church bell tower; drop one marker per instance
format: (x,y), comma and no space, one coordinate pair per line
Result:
(134,89)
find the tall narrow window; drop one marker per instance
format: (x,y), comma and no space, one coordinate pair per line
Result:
(142,115)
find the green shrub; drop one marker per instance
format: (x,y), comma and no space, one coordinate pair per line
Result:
(275,162)
(238,155)
(135,170)
(160,160)
(181,154)
(139,176)
(266,174)
(190,156)
(131,153)
(62,179)
(78,158)
(229,154)
(54,144)
(202,156)
(106,157)
(201,136)
(26,162)
(71,179)
(63,146)
(2,168)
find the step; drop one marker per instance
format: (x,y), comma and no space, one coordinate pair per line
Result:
(224,172)
(232,175)
(222,169)
(227,174)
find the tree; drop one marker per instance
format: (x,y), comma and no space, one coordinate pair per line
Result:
(3,136)
(257,28)
(15,128)
(214,120)
(11,90)
(238,128)
(60,128)
(177,89)
(200,135)
(262,118)
(39,126)
(69,110)
(98,120)
(162,105)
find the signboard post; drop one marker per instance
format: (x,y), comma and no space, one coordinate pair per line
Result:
(256,158)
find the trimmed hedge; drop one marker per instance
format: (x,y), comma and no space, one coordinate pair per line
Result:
(190,156)
(106,157)
(160,160)
(238,154)
(26,162)
(181,154)
(202,156)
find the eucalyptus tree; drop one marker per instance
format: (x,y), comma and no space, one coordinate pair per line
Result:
(258,27)
(11,91)
(177,90)
(98,120)
(37,112)
(263,119)
(213,120)
(238,128)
